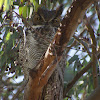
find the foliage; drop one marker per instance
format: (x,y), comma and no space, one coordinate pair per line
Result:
(79,50)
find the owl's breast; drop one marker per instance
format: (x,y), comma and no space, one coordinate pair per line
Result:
(36,44)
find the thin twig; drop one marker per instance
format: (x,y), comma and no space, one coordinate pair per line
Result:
(97,6)
(94,51)
(84,44)
(20,89)
(78,75)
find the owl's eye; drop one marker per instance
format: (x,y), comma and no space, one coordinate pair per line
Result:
(37,18)
(55,20)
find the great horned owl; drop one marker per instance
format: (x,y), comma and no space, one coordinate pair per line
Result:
(36,40)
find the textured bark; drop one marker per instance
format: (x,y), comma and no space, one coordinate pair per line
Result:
(54,88)
(95,95)
(46,76)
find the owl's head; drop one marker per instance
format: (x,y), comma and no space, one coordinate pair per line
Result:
(46,17)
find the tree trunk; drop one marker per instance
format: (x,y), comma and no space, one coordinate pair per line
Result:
(95,95)
(54,88)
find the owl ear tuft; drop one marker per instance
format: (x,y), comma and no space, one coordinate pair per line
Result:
(40,10)
(59,10)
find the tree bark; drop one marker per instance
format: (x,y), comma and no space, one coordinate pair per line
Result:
(47,83)
(54,87)
(95,95)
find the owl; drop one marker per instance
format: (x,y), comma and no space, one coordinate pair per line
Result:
(37,38)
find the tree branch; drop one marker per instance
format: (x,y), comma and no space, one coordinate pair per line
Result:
(95,95)
(97,6)
(94,58)
(84,44)
(19,90)
(78,75)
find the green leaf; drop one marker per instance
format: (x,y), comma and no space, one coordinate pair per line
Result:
(36,5)
(1,53)
(67,64)
(21,0)
(8,36)
(23,11)
(71,41)
(98,31)
(1,3)
(31,1)
(20,10)
(11,2)
(74,58)
(6,5)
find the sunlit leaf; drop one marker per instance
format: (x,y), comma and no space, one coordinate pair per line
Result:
(6,5)
(1,3)
(31,1)
(36,5)
(20,10)
(21,0)
(8,36)
(1,53)
(67,64)
(23,11)
(11,2)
